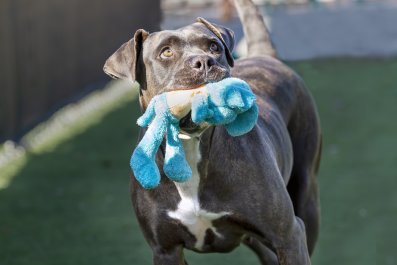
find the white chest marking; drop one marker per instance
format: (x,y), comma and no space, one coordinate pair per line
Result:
(189,213)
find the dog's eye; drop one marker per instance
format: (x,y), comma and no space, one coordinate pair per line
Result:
(167,53)
(214,47)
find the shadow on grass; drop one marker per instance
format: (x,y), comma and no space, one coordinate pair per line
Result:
(72,205)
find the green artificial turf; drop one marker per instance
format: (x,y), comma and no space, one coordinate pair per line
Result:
(357,101)
(70,205)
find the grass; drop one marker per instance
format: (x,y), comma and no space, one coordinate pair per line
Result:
(70,204)
(357,104)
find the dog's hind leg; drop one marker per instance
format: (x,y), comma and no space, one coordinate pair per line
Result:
(305,136)
(291,249)
(265,255)
(304,194)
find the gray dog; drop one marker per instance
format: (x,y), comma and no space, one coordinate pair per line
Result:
(259,189)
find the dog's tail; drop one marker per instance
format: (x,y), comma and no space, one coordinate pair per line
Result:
(255,31)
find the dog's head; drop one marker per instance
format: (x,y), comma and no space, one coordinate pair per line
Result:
(174,59)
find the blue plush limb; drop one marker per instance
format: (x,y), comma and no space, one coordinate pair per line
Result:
(238,97)
(175,165)
(221,115)
(143,159)
(244,122)
(231,92)
(200,110)
(204,110)
(149,114)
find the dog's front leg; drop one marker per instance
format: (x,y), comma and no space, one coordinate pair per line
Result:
(172,256)
(293,249)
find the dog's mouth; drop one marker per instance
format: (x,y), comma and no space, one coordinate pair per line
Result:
(188,126)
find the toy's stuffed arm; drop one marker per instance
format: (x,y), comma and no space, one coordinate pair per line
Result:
(148,115)
(143,159)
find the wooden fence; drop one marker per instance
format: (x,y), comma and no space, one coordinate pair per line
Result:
(52,50)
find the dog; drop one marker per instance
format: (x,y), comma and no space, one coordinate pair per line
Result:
(259,189)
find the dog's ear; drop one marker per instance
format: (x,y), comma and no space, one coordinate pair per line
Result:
(122,64)
(225,35)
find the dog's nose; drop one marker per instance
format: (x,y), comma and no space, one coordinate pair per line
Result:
(202,63)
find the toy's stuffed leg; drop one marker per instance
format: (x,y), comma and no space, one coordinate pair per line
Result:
(231,92)
(143,159)
(204,109)
(175,165)
(200,109)
(244,122)
(148,115)
(222,115)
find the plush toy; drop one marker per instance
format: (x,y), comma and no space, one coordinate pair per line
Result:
(229,102)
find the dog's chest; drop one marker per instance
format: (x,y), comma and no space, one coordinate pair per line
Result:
(189,212)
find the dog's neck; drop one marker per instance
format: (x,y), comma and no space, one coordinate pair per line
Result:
(189,211)
(189,190)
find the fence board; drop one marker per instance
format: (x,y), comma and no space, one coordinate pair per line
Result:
(51,50)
